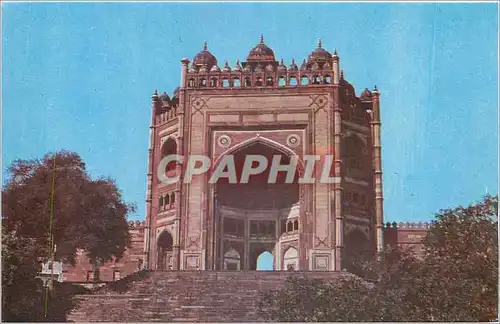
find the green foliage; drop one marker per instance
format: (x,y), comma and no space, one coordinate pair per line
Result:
(23,295)
(456,280)
(88,215)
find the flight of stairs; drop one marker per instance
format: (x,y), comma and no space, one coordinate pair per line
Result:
(184,296)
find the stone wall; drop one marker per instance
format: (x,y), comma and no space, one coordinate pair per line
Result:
(112,270)
(406,235)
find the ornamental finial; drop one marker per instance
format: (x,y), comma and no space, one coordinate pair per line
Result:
(319,43)
(335,53)
(261,39)
(205,47)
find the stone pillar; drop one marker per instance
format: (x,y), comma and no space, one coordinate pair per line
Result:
(377,164)
(337,189)
(336,68)
(184,69)
(179,193)
(155,103)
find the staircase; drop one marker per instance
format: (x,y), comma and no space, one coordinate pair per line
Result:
(184,296)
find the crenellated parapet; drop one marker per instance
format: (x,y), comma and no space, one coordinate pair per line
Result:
(406,235)
(167,108)
(136,225)
(407,225)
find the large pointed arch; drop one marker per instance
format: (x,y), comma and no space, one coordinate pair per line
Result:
(265,141)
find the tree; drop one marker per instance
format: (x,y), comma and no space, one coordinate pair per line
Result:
(458,277)
(53,201)
(456,280)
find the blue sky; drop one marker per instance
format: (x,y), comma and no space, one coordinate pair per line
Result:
(79,76)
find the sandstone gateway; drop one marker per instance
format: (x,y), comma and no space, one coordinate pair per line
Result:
(199,234)
(261,106)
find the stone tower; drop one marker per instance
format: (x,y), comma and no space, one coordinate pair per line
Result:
(262,106)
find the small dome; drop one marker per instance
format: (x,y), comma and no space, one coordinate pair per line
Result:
(237,68)
(226,68)
(282,67)
(319,54)
(204,58)
(293,66)
(176,92)
(261,52)
(164,97)
(366,95)
(303,66)
(215,68)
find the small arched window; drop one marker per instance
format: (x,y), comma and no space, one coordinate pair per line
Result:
(289,227)
(191,83)
(203,82)
(236,82)
(167,200)
(247,82)
(293,80)
(282,81)
(169,148)
(160,202)
(270,81)
(296,225)
(172,198)
(213,82)
(225,83)
(327,79)
(304,80)
(316,79)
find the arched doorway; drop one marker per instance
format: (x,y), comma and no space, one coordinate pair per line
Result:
(232,260)
(357,250)
(165,248)
(265,261)
(291,259)
(251,214)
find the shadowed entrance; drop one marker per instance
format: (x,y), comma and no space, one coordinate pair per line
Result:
(251,214)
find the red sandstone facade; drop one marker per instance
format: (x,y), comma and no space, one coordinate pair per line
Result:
(261,106)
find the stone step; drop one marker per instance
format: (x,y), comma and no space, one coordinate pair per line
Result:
(185,296)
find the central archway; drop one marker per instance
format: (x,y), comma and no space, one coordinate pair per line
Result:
(251,215)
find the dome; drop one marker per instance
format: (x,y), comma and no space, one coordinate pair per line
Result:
(282,67)
(293,66)
(215,68)
(319,54)
(303,66)
(176,92)
(164,97)
(237,68)
(226,68)
(261,52)
(366,95)
(204,58)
